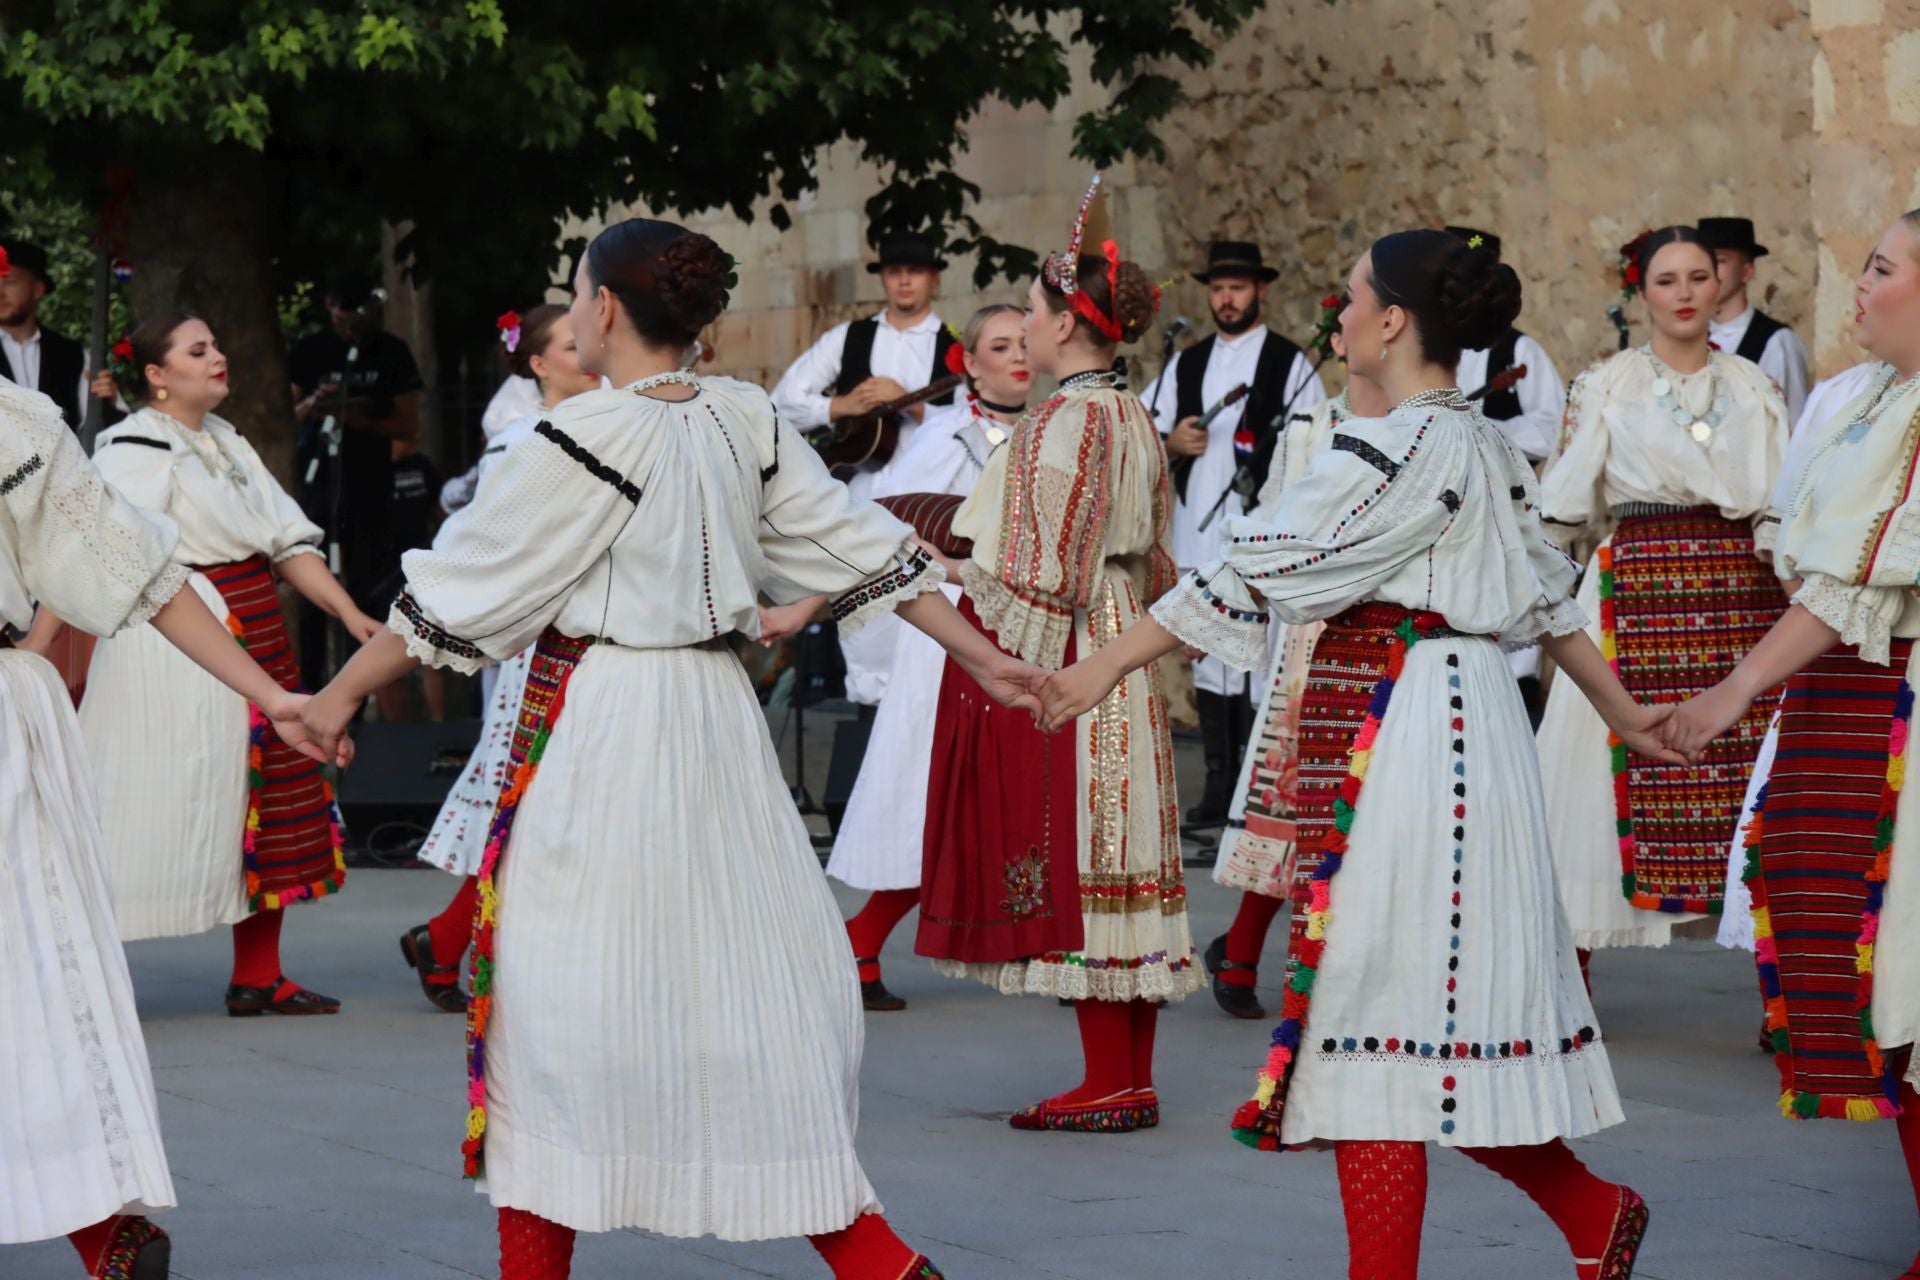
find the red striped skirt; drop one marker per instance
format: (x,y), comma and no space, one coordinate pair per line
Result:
(292,839)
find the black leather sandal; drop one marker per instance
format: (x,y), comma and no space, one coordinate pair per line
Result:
(1234,999)
(874,996)
(416,944)
(283,997)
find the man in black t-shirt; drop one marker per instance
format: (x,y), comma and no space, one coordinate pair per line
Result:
(365,381)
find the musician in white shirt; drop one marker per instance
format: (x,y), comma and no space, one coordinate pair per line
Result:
(1280,378)
(1741,329)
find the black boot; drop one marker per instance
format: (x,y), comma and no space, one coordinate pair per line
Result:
(1215,732)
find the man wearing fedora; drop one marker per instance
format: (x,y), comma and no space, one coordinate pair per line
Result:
(854,368)
(1203,462)
(1739,328)
(30,355)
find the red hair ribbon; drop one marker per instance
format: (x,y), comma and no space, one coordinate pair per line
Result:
(1085,307)
(957,360)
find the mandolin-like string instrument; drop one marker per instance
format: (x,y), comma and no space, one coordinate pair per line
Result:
(857,439)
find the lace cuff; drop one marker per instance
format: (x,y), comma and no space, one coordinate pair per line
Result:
(297,549)
(430,643)
(162,589)
(1031,627)
(1212,609)
(914,574)
(1863,616)
(1766,532)
(1561,618)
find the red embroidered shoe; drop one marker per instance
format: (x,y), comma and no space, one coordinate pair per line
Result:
(922,1268)
(1121,1113)
(137,1250)
(1623,1244)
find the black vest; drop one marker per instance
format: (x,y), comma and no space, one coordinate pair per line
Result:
(1760,331)
(856,358)
(1266,397)
(1502,405)
(62,361)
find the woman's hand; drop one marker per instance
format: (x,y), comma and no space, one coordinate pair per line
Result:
(1067,695)
(1012,683)
(284,712)
(779,621)
(323,721)
(1641,729)
(361,626)
(1699,720)
(103,387)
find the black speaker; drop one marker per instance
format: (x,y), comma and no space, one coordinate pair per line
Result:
(843,765)
(402,772)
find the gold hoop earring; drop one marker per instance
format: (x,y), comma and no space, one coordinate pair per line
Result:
(159,393)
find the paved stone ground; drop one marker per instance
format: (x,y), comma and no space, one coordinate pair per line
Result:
(327,1149)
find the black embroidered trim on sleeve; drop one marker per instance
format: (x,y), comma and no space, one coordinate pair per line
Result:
(881,587)
(439,638)
(1518,493)
(584,456)
(148,441)
(19,477)
(772,469)
(1450,500)
(1367,453)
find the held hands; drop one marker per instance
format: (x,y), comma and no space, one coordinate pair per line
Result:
(1068,694)
(1012,683)
(1699,720)
(322,721)
(286,712)
(1641,731)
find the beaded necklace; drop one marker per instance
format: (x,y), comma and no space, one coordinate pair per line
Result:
(1666,390)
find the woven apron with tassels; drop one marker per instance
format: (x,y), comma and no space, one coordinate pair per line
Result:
(554,659)
(1356,662)
(1818,852)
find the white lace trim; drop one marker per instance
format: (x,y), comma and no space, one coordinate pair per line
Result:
(1766,533)
(1240,642)
(1027,630)
(912,575)
(429,653)
(297,549)
(163,588)
(1561,618)
(106,1099)
(1857,613)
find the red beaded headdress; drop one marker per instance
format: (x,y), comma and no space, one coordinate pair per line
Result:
(1062,270)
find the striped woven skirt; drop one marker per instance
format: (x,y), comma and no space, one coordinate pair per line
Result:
(1819,854)
(208,815)
(1256,851)
(1682,600)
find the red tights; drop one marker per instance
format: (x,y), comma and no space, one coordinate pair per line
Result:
(1247,937)
(1116,1042)
(1909,1125)
(870,928)
(1383,1188)
(452,930)
(256,949)
(91,1242)
(532,1248)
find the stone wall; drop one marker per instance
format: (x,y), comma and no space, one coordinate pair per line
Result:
(1564,125)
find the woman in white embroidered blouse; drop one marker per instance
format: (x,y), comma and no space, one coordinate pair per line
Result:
(80,1150)
(207,822)
(1843,999)
(665,1028)
(545,352)
(1445,1000)
(878,845)
(1670,449)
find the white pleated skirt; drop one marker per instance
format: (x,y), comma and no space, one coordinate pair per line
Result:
(676,1031)
(1576,766)
(79,1129)
(459,834)
(880,837)
(1736,917)
(169,748)
(1448,1005)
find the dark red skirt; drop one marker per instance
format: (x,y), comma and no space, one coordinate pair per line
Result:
(292,840)
(1000,873)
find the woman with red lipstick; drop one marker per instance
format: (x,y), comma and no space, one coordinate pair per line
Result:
(1675,447)
(878,846)
(1834,856)
(208,820)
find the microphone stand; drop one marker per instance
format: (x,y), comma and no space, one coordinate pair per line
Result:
(1160,379)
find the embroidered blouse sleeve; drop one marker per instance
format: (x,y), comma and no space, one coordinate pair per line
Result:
(1570,490)
(818,539)
(502,567)
(1052,533)
(82,548)
(1376,499)
(140,465)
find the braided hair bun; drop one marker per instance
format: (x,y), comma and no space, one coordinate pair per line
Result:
(1460,296)
(1481,294)
(671,282)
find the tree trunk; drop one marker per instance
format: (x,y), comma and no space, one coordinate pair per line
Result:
(198,240)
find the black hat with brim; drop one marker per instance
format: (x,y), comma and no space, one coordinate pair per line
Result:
(1731,233)
(1235,258)
(1488,240)
(23,256)
(910,250)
